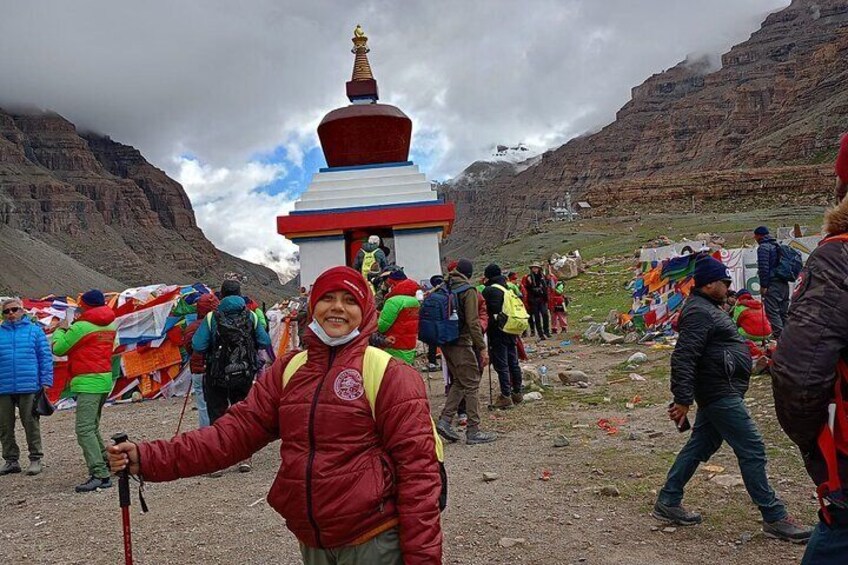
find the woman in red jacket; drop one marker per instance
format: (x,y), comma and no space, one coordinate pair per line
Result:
(354,486)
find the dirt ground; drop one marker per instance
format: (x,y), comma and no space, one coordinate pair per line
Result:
(560,521)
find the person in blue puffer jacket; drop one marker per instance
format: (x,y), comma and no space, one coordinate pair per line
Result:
(26,366)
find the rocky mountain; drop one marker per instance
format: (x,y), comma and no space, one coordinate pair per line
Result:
(80,210)
(764,127)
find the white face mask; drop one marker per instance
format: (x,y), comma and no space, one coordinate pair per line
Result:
(332,341)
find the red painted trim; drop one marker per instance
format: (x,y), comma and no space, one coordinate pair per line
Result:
(333,222)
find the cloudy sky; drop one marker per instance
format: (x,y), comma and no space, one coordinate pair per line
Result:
(225,96)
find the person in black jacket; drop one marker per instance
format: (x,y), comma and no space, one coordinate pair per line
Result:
(711,366)
(775,291)
(503,347)
(804,374)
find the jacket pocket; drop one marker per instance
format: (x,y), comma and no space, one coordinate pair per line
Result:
(388,475)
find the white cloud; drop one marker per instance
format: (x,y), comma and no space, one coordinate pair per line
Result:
(235,215)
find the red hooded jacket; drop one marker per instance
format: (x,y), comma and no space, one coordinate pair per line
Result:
(345,475)
(405,327)
(197,363)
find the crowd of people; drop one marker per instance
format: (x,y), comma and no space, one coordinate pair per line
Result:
(361,477)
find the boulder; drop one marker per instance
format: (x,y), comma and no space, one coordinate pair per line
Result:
(532,396)
(637,358)
(573,377)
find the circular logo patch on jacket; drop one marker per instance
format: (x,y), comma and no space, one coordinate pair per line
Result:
(348,385)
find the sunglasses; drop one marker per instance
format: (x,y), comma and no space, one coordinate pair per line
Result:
(8,311)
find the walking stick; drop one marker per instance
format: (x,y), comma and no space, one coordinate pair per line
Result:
(124,499)
(182,412)
(491,403)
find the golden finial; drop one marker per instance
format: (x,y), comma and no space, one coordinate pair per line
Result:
(358,32)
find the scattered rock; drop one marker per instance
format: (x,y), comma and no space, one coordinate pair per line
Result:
(573,377)
(511,542)
(586,319)
(655,528)
(612,339)
(634,436)
(637,358)
(612,318)
(532,396)
(729,480)
(582,384)
(610,490)
(561,441)
(636,377)
(746,537)
(654,435)
(631,337)
(489,477)
(669,529)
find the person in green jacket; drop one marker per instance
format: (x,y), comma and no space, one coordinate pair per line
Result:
(399,318)
(89,342)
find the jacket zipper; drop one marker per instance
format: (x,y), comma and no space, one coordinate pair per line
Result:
(311,459)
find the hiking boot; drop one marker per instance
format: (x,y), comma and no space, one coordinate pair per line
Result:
(788,529)
(463,420)
(245,466)
(517,398)
(478,437)
(446,431)
(34,467)
(675,515)
(9,468)
(93,484)
(503,402)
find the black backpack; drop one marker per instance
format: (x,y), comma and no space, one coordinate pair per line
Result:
(232,361)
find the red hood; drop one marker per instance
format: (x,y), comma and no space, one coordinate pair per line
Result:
(750,302)
(407,287)
(99,316)
(317,349)
(207,303)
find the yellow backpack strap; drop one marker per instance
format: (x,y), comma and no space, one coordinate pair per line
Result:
(294,364)
(373,371)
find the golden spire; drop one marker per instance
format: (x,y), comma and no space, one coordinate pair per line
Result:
(361,66)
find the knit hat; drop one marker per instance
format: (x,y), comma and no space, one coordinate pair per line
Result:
(436,280)
(465,267)
(341,278)
(762,230)
(398,275)
(230,288)
(374,239)
(93,298)
(709,270)
(492,271)
(743,292)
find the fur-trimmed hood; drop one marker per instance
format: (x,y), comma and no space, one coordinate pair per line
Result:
(836,219)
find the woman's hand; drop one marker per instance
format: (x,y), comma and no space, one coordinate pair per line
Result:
(122,456)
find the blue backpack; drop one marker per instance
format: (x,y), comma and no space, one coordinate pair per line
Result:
(438,318)
(789,263)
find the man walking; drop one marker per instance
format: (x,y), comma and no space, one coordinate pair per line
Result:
(88,342)
(230,338)
(368,254)
(806,368)
(503,350)
(461,359)
(536,289)
(711,366)
(775,290)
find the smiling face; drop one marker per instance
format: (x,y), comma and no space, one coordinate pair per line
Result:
(338,313)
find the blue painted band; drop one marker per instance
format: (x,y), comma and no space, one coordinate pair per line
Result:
(364,167)
(417,230)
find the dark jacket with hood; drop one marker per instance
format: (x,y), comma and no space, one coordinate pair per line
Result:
(711,360)
(814,339)
(768,255)
(379,256)
(470,330)
(494,306)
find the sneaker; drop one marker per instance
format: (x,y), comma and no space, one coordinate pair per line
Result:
(245,466)
(478,437)
(93,484)
(432,368)
(675,515)
(9,468)
(517,398)
(446,431)
(34,467)
(503,402)
(788,529)
(463,420)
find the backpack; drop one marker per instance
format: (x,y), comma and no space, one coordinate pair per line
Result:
(789,263)
(232,360)
(374,366)
(368,259)
(438,317)
(513,318)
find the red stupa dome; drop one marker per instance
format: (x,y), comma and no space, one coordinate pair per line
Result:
(364,133)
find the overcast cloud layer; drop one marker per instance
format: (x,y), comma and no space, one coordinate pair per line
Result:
(210,90)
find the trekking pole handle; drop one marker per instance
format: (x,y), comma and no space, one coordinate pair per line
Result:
(124,476)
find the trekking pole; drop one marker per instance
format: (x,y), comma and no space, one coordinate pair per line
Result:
(182,412)
(124,499)
(491,402)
